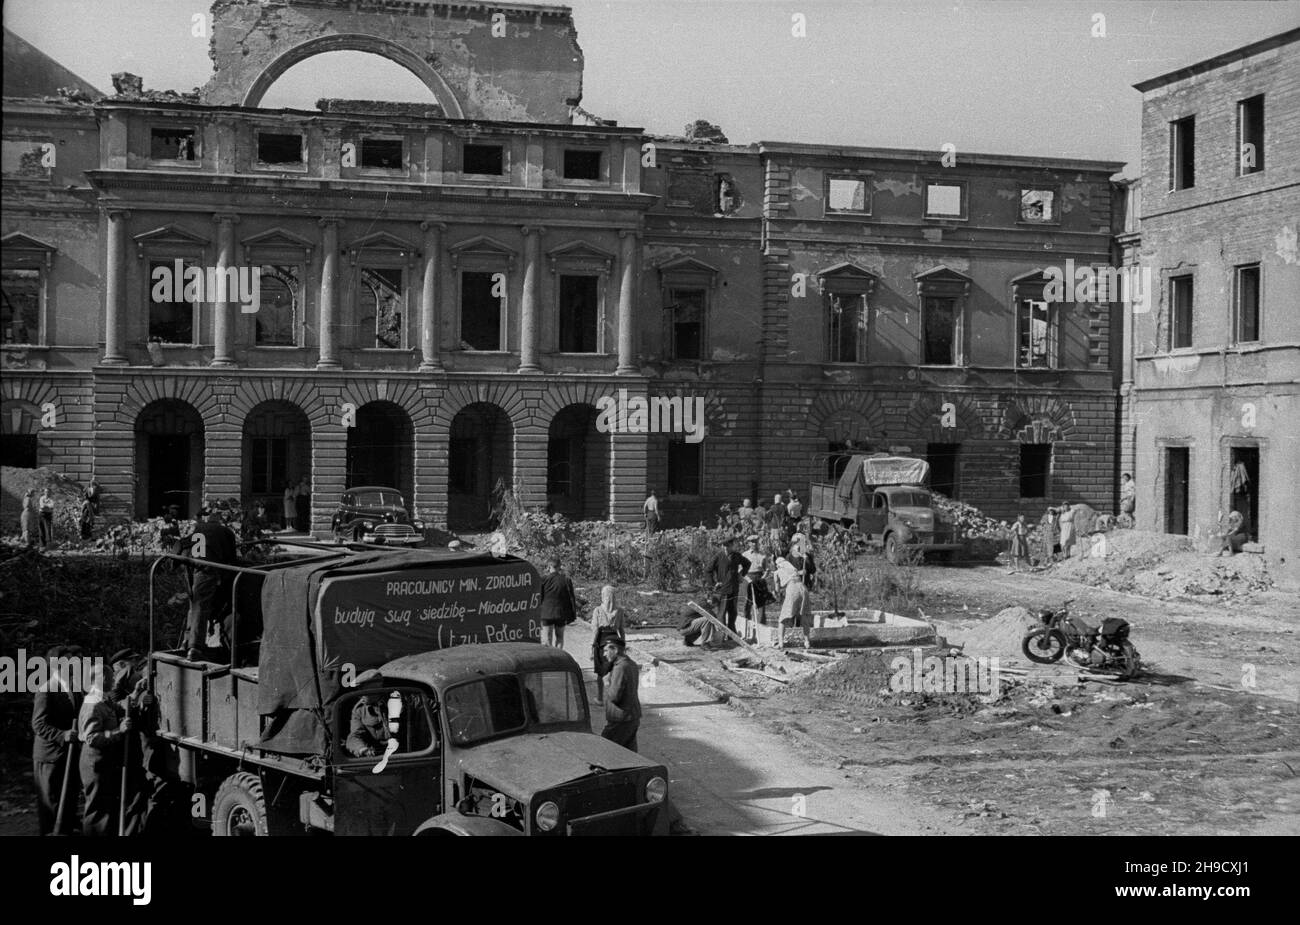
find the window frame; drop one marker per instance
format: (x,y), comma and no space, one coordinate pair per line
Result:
(1174,303)
(1046,476)
(864,178)
(1176,144)
(671,303)
(484,143)
(503,330)
(167,256)
(1055,190)
(372,340)
(20,252)
(1260,163)
(679,440)
(1258,267)
(686,274)
(258,164)
(829,295)
(601,278)
(281,253)
(1053,312)
(963,185)
(958,329)
(603,168)
(195,163)
(364,171)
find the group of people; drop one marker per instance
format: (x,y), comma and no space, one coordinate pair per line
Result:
(297,506)
(37,515)
(85,742)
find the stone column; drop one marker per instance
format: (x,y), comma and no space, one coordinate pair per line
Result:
(629,252)
(329,295)
(529,306)
(221,327)
(115,290)
(429,320)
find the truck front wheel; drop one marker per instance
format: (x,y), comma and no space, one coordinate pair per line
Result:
(239,808)
(891,548)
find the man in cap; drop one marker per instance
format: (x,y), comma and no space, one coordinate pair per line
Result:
(622,701)
(728,565)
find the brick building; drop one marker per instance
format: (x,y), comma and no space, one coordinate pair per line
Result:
(448,291)
(1212,415)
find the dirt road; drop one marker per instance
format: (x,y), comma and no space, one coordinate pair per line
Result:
(729,775)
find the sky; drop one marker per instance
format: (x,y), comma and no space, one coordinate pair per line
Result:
(1042,78)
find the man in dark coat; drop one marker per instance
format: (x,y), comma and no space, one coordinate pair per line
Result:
(726,571)
(622,699)
(211,588)
(54,723)
(559,604)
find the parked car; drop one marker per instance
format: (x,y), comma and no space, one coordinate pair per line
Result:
(374,514)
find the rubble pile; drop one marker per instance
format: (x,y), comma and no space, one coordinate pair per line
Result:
(999,636)
(972,523)
(68,495)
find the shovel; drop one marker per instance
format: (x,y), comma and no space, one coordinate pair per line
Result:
(63,791)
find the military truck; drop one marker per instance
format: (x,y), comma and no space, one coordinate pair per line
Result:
(882,499)
(397,692)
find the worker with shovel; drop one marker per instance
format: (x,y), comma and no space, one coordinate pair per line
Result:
(54,748)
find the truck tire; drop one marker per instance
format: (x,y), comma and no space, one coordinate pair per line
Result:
(892,549)
(239,808)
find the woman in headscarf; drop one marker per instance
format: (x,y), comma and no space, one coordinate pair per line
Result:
(606,620)
(796,608)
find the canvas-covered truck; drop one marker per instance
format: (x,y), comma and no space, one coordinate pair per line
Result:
(885,499)
(398,692)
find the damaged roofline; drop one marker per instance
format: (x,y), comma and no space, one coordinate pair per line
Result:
(915,154)
(1220,60)
(489,126)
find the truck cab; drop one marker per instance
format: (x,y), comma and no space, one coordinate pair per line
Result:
(346,726)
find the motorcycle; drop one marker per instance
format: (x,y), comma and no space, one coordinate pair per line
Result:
(1105,648)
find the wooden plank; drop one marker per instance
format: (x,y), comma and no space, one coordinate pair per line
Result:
(730,635)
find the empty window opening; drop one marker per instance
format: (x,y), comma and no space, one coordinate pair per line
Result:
(847,317)
(276,321)
(279,148)
(383,292)
(1246,304)
(579,313)
(940,324)
(480,312)
(483,160)
(1250,135)
(1037,205)
(1243,482)
(381,153)
(942,458)
(173,144)
(1180,312)
(1182,153)
(943,199)
(686,317)
(1177,465)
(20,314)
(170,322)
(1038,334)
(1035,469)
(581,165)
(684,467)
(844,194)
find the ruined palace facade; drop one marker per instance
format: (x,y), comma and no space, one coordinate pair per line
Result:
(1212,374)
(448,291)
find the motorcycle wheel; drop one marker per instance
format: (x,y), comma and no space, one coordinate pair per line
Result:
(1130,661)
(1043,646)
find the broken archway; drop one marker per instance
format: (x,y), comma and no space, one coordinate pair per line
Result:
(480,448)
(168,459)
(577,465)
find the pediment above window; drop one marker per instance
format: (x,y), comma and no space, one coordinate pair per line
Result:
(687,271)
(170,238)
(383,245)
(580,253)
(481,248)
(278,239)
(1029,285)
(21,250)
(942,281)
(847,277)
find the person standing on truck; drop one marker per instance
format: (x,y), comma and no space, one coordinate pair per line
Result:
(606,620)
(54,724)
(623,702)
(210,588)
(559,604)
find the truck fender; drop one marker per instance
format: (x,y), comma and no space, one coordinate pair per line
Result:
(901,530)
(458,824)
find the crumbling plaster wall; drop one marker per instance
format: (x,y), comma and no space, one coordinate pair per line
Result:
(525,67)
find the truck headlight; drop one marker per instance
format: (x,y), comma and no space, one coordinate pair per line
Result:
(655,790)
(548,816)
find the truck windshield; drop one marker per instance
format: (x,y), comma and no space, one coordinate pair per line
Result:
(909,499)
(482,709)
(553,698)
